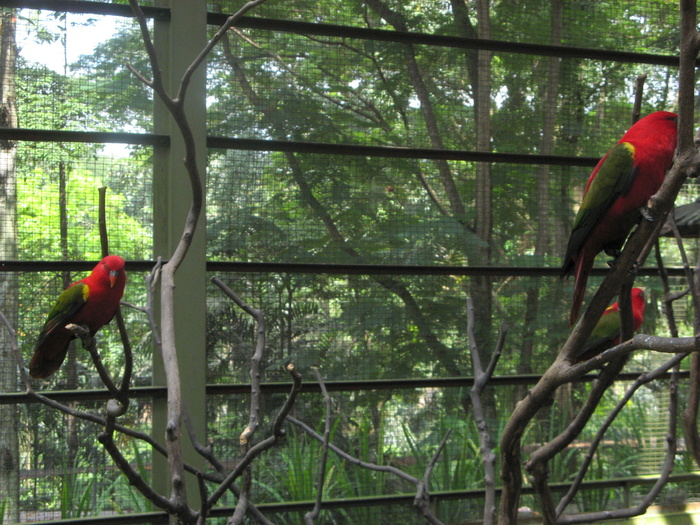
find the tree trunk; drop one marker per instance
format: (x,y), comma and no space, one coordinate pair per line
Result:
(482,287)
(543,242)
(9,290)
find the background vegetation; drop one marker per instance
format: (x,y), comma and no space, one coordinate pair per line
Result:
(275,205)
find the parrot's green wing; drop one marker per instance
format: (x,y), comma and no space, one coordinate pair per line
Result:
(604,333)
(71,300)
(613,178)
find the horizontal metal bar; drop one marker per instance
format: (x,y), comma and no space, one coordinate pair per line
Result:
(67,396)
(99,137)
(94,8)
(140,518)
(335,269)
(160,392)
(415,38)
(325,148)
(407,499)
(335,30)
(62,266)
(399,269)
(374,501)
(398,384)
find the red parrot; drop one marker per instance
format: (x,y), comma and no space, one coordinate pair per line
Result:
(616,193)
(606,333)
(92,302)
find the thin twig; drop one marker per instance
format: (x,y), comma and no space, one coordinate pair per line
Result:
(128,360)
(588,458)
(121,404)
(254,413)
(310,516)
(689,416)
(256,360)
(203,451)
(422,499)
(671,444)
(481,379)
(90,345)
(207,453)
(351,459)
(277,436)
(107,441)
(420,484)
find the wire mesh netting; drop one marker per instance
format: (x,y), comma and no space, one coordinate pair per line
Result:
(340,144)
(66,474)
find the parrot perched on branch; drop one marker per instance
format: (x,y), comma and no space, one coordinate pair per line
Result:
(606,333)
(616,196)
(91,302)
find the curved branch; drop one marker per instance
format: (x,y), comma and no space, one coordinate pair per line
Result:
(588,458)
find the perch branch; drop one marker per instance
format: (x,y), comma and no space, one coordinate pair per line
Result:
(310,516)
(277,436)
(422,499)
(351,459)
(686,165)
(588,458)
(671,443)
(90,345)
(481,379)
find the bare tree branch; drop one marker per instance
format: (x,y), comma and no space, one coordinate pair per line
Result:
(90,345)
(671,443)
(686,165)
(278,435)
(422,499)
(588,458)
(481,379)
(310,516)
(351,459)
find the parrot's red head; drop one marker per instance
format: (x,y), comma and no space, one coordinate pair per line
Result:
(113,266)
(660,126)
(638,306)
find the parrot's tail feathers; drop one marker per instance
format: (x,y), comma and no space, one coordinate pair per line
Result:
(583,267)
(48,356)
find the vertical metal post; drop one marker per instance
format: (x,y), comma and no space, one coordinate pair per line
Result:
(178,42)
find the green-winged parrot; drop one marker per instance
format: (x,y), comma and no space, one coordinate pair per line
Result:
(606,333)
(91,302)
(617,190)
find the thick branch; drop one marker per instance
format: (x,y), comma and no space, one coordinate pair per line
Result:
(588,458)
(481,379)
(277,436)
(666,470)
(561,370)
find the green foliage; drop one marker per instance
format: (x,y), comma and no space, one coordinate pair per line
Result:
(76,492)
(39,223)
(278,207)
(124,498)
